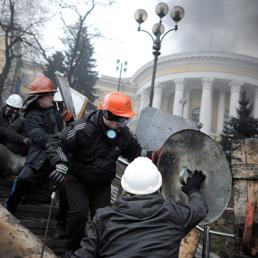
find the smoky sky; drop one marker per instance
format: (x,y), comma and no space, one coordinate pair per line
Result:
(220,25)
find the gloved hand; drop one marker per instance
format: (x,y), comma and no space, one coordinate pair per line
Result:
(57,176)
(27,141)
(193,183)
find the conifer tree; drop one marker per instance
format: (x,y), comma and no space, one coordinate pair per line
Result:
(244,125)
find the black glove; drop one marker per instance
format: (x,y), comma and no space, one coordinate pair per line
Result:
(193,183)
(57,176)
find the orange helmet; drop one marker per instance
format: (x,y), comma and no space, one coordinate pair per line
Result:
(41,84)
(118,104)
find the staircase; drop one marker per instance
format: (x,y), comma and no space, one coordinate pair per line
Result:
(33,211)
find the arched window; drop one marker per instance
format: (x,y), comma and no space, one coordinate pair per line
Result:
(196,115)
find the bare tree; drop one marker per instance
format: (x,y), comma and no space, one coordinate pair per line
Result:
(78,54)
(75,33)
(20,24)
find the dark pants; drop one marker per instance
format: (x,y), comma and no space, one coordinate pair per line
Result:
(82,199)
(61,216)
(24,183)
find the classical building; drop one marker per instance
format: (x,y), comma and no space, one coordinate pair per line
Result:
(199,86)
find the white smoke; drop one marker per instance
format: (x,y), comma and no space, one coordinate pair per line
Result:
(220,25)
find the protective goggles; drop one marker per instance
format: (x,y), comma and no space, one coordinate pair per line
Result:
(122,121)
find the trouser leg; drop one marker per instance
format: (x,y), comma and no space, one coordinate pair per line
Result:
(77,216)
(63,206)
(99,198)
(61,217)
(24,183)
(19,189)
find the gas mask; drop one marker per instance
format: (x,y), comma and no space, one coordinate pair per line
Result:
(11,113)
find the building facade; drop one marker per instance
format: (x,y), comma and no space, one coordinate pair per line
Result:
(200,86)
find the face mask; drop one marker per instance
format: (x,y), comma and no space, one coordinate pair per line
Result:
(111,134)
(11,113)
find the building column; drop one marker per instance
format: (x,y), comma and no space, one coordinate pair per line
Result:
(256,103)
(221,111)
(206,105)
(157,97)
(144,99)
(186,104)
(179,95)
(234,97)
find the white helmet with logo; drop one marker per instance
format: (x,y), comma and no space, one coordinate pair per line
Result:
(14,100)
(141,177)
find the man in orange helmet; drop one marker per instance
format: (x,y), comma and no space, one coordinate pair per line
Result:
(88,150)
(41,122)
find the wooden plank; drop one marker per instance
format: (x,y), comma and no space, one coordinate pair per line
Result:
(189,244)
(253,196)
(238,153)
(248,227)
(251,151)
(240,199)
(248,172)
(249,234)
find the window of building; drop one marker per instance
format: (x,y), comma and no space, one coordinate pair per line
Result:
(196,115)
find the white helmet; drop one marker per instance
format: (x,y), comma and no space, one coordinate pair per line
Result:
(58,97)
(14,100)
(141,177)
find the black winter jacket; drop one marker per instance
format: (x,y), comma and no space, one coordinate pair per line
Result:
(40,125)
(3,118)
(141,226)
(92,155)
(16,140)
(8,130)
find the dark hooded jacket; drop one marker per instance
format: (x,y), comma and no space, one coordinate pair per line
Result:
(40,125)
(92,155)
(12,132)
(141,226)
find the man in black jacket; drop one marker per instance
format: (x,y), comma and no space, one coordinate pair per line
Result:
(10,111)
(90,148)
(41,122)
(142,223)
(12,133)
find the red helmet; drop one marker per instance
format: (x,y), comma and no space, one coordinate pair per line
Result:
(118,104)
(41,84)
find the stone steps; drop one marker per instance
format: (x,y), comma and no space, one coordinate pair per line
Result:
(33,212)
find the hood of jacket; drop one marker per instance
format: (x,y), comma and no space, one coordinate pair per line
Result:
(139,206)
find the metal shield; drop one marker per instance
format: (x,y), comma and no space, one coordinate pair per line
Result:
(65,90)
(195,150)
(155,126)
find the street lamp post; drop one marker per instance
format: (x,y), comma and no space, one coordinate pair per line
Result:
(121,67)
(162,9)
